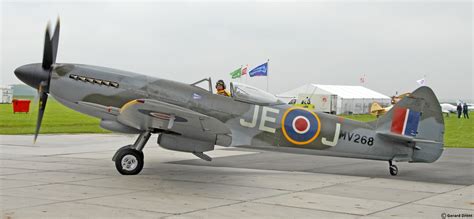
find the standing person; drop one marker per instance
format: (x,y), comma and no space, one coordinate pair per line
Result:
(459,108)
(465,111)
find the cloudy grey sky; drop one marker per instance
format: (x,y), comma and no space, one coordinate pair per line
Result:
(392,43)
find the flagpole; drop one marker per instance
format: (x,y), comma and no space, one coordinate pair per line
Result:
(268,60)
(247,67)
(240,78)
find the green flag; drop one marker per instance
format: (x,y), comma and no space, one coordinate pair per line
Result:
(236,74)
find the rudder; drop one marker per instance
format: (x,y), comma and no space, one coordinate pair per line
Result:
(418,121)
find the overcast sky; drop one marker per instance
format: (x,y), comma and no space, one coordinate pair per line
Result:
(392,43)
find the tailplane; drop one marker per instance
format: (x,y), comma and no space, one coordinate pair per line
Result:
(416,120)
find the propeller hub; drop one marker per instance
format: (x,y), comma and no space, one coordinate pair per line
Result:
(32,74)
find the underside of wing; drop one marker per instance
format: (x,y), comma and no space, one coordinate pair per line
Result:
(146,114)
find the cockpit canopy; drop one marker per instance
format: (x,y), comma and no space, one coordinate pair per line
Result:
(246,93)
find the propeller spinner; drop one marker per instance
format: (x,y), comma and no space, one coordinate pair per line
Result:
(38,75)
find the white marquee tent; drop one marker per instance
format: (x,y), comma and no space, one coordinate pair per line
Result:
(339,99)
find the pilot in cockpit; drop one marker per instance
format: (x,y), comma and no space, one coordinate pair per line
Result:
(220,86)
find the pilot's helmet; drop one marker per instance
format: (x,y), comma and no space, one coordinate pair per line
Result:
(220,82)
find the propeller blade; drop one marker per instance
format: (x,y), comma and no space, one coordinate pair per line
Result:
(55,41)
(41,107)
(49,58)
(47,50)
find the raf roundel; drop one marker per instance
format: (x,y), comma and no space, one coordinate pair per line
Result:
(300,126)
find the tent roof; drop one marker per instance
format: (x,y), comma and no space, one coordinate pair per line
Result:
(343,91)
(5,87)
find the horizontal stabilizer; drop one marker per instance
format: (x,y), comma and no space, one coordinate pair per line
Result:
(405,138)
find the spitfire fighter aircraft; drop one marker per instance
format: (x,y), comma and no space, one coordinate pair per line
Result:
(192,119)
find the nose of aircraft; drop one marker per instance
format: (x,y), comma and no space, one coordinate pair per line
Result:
(32,74)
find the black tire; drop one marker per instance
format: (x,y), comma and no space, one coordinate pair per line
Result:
(129,161)
(123,148)
(393,170)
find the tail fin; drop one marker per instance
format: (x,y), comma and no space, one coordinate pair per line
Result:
(418,121)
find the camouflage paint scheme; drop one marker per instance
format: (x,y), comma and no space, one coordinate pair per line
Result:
(229,122)
(192,119)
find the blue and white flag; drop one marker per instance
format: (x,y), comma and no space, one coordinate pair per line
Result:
(260,70)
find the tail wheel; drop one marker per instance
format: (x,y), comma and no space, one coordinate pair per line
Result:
(393,170)
(129,161)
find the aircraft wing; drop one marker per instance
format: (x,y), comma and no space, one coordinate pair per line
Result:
(146,114)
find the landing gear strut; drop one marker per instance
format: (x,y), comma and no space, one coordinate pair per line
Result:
(129,159)
(392,168)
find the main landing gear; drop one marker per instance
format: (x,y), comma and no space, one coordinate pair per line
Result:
(129,159)
(392,168)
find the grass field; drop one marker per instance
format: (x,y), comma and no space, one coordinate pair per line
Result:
(60,119)
(57,119)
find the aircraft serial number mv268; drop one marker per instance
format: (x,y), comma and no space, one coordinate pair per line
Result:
(191,119)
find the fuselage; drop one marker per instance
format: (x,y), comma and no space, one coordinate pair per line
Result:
(192,119)
(265,126)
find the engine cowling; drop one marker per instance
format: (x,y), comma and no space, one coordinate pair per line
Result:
(180,143)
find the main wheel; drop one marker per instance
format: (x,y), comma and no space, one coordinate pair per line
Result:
(393,170)
(129,161)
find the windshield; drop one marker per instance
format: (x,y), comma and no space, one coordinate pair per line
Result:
(246,93)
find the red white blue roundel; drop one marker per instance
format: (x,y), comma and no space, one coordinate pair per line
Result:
(300,126)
